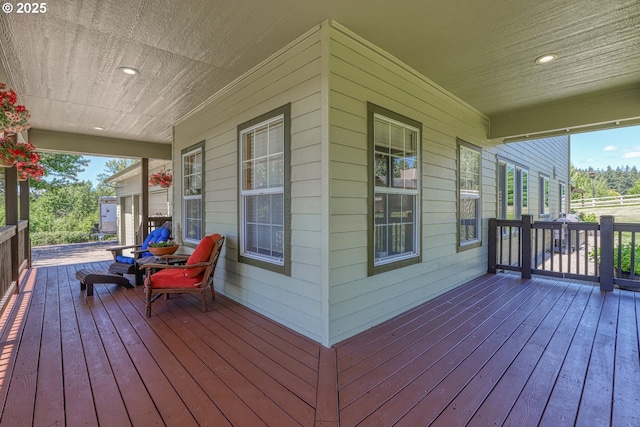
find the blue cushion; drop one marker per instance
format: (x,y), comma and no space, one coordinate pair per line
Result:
(124,259)
(156,236)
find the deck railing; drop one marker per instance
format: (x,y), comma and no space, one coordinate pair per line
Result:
(14,257)
(603,253)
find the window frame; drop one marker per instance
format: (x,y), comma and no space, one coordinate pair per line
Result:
(477,242)
(519,189)
(562,198)
(284,266)
(377,265)
(189,151)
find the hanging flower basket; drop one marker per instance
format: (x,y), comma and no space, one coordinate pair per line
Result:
(12,152)
(28,170)
(13,117)
(162,178)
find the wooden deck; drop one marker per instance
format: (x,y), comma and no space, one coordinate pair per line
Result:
(496,351)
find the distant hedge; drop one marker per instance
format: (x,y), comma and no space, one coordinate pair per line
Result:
(42,238)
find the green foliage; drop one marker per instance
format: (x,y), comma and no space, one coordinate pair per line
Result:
(625,258)
(71,207)
(45,238)
(635,189)
(587,217)
(167,244)
(608,182)
(581,179)
(60,169)
(62,209)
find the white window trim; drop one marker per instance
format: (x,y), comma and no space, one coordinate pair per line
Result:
(279,261)
(403,191)
(470,195)
(192,197)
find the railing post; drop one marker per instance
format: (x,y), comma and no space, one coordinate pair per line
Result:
(11,216)
(606,252)
(527,220)
(24,216)
(493,245)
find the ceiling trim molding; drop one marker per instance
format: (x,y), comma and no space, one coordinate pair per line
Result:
(76,143)
(590,113)
(398,62)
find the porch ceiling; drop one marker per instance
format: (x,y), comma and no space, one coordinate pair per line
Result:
(64,63)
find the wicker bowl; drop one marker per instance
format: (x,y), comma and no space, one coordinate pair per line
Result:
(164,250)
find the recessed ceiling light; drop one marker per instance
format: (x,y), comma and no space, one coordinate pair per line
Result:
(545,59)
(98,128)
(129,70)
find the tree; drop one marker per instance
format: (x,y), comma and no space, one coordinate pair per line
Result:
(581,179)
(111,168)
(635,189)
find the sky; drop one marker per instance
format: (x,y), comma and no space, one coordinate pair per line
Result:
(95,168)
(613,147)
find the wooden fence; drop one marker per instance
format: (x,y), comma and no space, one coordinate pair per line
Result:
(606,202)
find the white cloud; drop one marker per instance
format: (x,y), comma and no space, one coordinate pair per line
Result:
(631,155)
(610,148)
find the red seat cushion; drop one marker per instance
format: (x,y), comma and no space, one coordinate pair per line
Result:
(174,278)
(202,253)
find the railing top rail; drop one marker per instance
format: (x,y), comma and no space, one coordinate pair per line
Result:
(626,226)
(509,222)
(556,225)
(7,232)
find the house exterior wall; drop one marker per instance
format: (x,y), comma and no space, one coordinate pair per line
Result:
(361,73)
(130,190)
(329,76)
(548,157)
(291,76)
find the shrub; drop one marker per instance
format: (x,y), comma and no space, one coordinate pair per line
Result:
(625,257)
(45,238)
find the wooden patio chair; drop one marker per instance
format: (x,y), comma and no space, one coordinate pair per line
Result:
(193,277)
(123,264)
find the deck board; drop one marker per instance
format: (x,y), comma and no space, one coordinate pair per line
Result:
(498,350)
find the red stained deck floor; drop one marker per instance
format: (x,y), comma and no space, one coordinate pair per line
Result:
(496,351)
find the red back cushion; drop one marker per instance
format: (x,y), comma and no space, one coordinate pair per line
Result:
(202,253)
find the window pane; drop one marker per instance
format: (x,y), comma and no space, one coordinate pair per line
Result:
(468,219)
(511,184)
(380,212)
(277,209)
(193,219)
(381,135)
(381,170)
(260,144)
(276,138)
(502,184)
(525,192)
(276,171)
(260,174)
(248,178)
(396,140)
(469,199)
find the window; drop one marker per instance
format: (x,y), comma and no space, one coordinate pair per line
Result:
(192,181)
(544,195)
(506,191)
(469,214)
(513,197)
(562,194)
(264,188)
(395,224)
